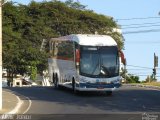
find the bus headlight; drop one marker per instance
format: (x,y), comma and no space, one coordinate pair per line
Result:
(116,81)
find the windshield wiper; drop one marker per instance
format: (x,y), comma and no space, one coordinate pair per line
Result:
(105,71)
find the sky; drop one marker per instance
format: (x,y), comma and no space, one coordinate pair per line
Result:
(141,20)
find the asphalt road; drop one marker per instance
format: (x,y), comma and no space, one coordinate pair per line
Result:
(126,103)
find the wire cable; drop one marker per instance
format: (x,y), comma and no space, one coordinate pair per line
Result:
(138,69)
(139,26)
(139,18)
(139,66)
(141,31)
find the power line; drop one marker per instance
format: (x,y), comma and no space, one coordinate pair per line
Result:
(142,73)
(145,71)
(138,69)
(153,41)
(142,31)
(139,75)
(139,18)
(140,26)
(142,42)
(139,66)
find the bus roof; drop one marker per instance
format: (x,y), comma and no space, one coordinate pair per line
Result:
(89,39)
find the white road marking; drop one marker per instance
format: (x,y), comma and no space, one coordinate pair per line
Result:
(20,102)
(30,103)
(15,110)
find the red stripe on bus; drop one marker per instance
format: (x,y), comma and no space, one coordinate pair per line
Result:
(63,58)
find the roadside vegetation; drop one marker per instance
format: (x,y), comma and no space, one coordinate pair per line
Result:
(157,84)
(25,26)
(151,81)
(152,84)
(132,79)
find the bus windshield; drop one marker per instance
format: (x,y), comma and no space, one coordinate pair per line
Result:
(99,61)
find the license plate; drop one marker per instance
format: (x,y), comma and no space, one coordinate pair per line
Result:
(102,83)
(100,88)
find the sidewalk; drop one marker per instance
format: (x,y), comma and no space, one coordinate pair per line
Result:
(10,102)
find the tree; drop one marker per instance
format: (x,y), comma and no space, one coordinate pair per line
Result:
(150,79)
(18,51)
(132,79)
(25,26)
(75,5)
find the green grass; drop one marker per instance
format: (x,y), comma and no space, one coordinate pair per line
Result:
(152,84)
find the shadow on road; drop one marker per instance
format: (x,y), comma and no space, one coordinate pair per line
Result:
(124,100)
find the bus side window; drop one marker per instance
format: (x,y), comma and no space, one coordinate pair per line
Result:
(65,50)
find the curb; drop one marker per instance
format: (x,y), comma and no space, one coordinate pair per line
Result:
(30,103)
(18,105)
(14,110)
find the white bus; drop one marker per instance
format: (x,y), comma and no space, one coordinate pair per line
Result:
(85,62)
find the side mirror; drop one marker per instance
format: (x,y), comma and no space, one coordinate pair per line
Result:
(122,57)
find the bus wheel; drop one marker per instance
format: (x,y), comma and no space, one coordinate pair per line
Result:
(108,93)
(73,85)
(53,78)
(56,81)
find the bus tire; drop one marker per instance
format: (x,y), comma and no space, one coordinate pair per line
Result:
(56,81)
(53,78)
(109,93)
(73,85)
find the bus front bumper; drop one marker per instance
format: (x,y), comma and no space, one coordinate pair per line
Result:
(97,87)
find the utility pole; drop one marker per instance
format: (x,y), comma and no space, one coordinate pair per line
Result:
(155,65)
(1,4)
(149,78)
(1,54)
(125,70)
